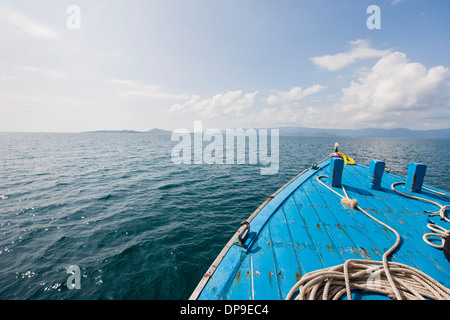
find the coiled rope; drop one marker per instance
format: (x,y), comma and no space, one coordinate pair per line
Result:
(439,231)
(395,280)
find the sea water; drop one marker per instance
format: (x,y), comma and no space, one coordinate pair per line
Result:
(134,225)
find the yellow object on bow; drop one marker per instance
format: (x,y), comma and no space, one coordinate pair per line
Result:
(347,160)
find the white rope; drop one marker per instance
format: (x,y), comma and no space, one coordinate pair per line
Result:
(441,193)
(395,280)
(439,232)
(442,209)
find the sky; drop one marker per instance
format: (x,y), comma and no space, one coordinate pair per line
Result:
(143,64)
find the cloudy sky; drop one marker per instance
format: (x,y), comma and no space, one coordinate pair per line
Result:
(142,64)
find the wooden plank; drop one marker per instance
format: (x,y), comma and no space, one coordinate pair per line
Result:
(309,257)
(241,286)
(224,273)
(320,239)
(265,286)
(286,261)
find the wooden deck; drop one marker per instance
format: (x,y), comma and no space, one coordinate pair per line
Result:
(305,227)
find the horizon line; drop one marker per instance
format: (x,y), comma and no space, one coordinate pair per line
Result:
(281,127)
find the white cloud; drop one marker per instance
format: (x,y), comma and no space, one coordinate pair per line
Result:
(393,93)
(45,73)
(239,108)
(295,94)
(393,90)
(360,50)
(285,116)
(132,89)
(232,102)
(395,2)
(24,24)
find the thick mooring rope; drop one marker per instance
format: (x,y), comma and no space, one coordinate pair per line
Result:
(392,279)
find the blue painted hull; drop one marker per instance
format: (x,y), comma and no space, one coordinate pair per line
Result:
(305,227)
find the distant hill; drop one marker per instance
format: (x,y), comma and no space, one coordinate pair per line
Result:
(159,131)
(113,131)
(317,132)
(369,132)
(152,131)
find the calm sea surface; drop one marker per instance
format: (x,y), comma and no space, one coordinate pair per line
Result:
(138,226)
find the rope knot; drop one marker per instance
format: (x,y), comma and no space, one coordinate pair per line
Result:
(352,203)
(442,212)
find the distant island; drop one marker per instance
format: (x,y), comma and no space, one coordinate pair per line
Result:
(369,133)
(113,131)
(317,132)
(152,131)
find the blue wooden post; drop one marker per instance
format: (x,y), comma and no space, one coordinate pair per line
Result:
(336,167)
(376,170)
(416,174)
